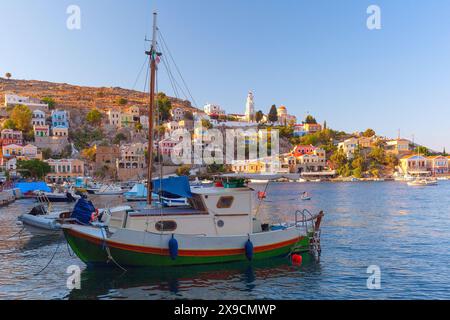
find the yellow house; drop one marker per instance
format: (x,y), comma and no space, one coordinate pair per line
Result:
(414,165)
(248,166)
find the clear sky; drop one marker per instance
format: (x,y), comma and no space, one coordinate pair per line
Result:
(312,56)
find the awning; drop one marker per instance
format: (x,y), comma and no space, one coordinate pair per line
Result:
(178,186)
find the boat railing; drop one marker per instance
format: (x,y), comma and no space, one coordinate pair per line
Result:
(42,198)
(305,219)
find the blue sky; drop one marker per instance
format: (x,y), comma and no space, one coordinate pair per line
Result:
(313,56)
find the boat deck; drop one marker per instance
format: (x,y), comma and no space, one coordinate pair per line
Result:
(180,211)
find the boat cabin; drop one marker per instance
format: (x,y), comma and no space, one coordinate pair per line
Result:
(214,211)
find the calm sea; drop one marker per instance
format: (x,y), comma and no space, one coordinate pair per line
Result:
(405,231)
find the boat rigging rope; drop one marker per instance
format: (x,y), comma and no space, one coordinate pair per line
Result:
(139,74)
(176,67)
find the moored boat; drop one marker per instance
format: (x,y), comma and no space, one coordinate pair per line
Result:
(422,183)
(218,227)
(109,190)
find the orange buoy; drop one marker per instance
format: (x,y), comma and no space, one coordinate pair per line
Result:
(297,259)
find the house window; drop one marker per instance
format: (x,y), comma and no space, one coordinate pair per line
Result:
(225,202)
(166,226)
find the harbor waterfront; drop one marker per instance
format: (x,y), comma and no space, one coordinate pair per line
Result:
(400,229)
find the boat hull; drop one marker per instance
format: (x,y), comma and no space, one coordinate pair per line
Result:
(91,250)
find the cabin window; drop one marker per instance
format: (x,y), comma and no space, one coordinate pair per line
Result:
(225,202)
(166,226)
(220,223)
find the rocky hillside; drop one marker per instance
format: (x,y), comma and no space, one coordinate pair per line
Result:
(79,99)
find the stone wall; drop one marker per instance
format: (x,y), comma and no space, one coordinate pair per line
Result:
(56,144)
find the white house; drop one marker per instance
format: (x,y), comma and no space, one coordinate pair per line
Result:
(38,118)
(349,147)
(213,110)
(12,100)
(114,117)
(177,114)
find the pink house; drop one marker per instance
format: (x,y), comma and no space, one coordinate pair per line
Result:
(301,150)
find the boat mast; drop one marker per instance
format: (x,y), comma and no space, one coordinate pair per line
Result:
(153,54)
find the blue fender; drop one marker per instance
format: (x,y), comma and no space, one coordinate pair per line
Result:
(173,248)
(249,250)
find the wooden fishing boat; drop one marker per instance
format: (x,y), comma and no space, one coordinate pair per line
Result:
(218,227)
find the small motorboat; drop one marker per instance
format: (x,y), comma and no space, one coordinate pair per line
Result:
(109,190)
(422,183)
(56,197)
(43,220)
(305,197)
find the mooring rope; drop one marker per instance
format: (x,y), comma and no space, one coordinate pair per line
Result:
(108,251)
(51,259)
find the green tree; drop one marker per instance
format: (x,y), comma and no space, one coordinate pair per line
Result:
(310,120)
(122,101)
(9,124)
(85,136)
(47,153)
(422,150)
(89,154)
(188,115)
(378,156)
(259,116)
(339,161)
(51,103)
(21,116)
(369,133)
(94,117)
(273,114)
(206,124)
(183,171)
(119,138)
(138,126)
(35,169)
(164,107)
(8,75)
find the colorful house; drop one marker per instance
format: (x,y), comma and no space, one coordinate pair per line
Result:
(65,169)
(299,130)
(12,150)
(415,165)
(41,130)
(60,118)
(312,127)
(38,118)
(349,147)
(303,149)
(438,165)
(398,146)
(60,131)
(9,136)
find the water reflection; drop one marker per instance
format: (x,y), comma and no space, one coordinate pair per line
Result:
(174,283)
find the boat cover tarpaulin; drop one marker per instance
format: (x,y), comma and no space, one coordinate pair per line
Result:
(178,186)
(83,211)
(139,190)
(25,187)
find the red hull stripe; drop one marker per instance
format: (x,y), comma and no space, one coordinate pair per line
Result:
(182,253)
